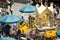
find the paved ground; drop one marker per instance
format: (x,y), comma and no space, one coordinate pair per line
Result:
(16,7)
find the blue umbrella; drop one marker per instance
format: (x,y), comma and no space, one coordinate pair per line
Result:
(8,19)
(27,9)
(1,39)
(7,38)
(58,33)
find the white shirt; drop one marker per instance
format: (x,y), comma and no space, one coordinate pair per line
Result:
(23,38)
(55,10)
(14,26)
(0,9)
(1,36)
(37,5)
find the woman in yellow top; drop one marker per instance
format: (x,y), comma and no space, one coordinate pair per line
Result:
(25,28)
(20,27)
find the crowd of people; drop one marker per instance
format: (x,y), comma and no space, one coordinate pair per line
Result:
(6,6)
(22,31)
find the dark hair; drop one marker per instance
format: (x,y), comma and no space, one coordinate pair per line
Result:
(53,6)
(28,39)
(0,31)
(3,0)
(19,31)
(7,13)
(57,10)
(22,17)
(2,23)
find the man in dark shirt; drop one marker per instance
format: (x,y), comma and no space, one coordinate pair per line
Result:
(7,30)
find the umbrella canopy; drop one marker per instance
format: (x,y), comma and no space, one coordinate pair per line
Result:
(7,38)
(1,39)
(9,19)
(28,9)
(58,33)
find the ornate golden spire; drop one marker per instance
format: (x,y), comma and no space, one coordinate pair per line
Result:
(51,4)
(41,2)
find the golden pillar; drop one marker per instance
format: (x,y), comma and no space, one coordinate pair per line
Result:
(51,17)
(51,21)
(30,22)
(40,22)
(37,16)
